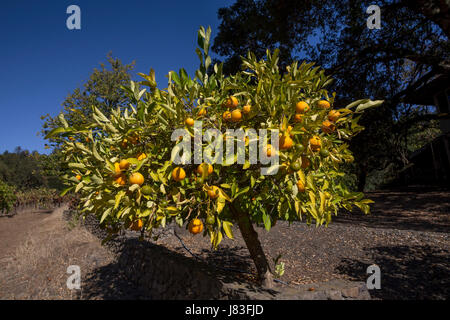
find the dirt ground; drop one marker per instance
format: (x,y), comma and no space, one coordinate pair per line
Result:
(407,236)
(36,249)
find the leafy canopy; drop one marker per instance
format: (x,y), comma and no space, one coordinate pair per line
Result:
(308,184)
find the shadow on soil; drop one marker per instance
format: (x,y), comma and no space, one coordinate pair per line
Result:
(118,280)
(418,272)
(409,209)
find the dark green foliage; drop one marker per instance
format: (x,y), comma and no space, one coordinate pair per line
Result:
(28,170)
(7,197)
(102,90)
(381,64)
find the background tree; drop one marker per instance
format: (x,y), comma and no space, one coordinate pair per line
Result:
(102,90)
(365,63)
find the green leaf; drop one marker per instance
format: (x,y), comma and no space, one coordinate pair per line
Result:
(369,104)
(65,191)
(227,228)
(266,220)
(119,196)
(54,132)
(220,204)
(105,214)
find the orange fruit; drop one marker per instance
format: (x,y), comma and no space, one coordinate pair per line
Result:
(236,115)
(301,107)
(213,193)
(315,143)
(136,178)
(226,116)
(202,112)
(328,126)
(333,115)
(298,118)
(124,165)
(268,150)
(137,225)
(195,226)
(120,179)
(203,166)
(189,122)
(78,177)
(286,142)
(117,167)
(142,156)
(323,104)
(231,102)
(300,186)
(246,109)
(178,174)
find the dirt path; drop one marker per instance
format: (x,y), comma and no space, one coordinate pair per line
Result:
(36,249)
(14,229)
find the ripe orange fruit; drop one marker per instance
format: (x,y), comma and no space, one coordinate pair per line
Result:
(136,178)
(137,225)
(195,226)
(205,166)
(300,186)
(231,102)
(120,179)
(246,109)
(178,174)
(236,115)
(301,107)
(124,165)
(202,112)
(315,143)
(78,177)
(142,156)
(226,116)
(268,150)
(328,126)
(286,142)
(298,118)
(117,167)
(213,193)
(333,115)
(189,122)
(324,104)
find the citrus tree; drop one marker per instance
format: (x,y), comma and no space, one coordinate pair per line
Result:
(123,165)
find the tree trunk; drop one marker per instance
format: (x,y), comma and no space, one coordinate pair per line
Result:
(254,247)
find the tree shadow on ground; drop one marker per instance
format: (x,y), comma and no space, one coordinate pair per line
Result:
(399,209)
(116,281)
(407,273)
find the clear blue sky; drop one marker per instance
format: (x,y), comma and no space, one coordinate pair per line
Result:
(42,61)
